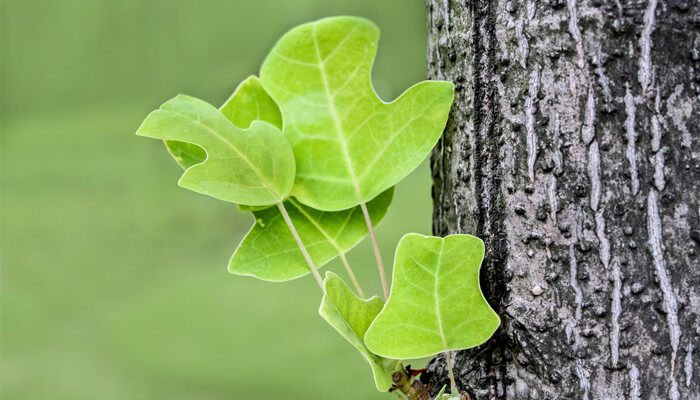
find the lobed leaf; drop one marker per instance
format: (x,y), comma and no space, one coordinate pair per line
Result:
(436,303)
(328,233)
(351,316)
(252,166)
(269,251)
(349,144)
(249,102)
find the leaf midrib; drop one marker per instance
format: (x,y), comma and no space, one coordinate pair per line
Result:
(437,300)
(331,106)
(317,226)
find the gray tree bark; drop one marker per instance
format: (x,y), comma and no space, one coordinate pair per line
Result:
(572,151)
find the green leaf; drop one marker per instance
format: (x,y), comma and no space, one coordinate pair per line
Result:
(248,103)
(441,393)
(245,208)
(185,154)
(322,229)
(351,316)
(436,303)
(349,144)
(252,166)
(269,251)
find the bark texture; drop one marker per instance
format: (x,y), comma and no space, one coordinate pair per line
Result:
(572,150)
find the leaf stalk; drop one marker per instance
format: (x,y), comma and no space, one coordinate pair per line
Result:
(305,253)
(453,384)
(377,254)
(352,275)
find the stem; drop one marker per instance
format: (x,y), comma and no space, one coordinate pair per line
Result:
(453,384)
(305,253)
(380,264)
(410,388)
(352,275)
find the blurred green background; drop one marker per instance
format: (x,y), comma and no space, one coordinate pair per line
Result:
(114,282)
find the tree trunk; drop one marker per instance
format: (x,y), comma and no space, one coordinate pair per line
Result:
(572,151)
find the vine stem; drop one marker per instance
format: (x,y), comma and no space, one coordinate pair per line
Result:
(352,275)
(453,384)
(305,253)
(380,264)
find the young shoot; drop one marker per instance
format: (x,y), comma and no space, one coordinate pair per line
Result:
(313,153)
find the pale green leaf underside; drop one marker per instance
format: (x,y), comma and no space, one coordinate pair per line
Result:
(269,251)
(254,166)
(351,316)
(349,144)
(436,303)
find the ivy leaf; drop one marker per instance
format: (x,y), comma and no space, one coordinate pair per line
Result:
(249,102)
(349,144)
(252,166)
(269,251)
(351,316)
(436,303)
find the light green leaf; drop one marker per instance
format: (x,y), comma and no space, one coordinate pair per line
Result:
(245,208)
(270,252)
(436,303)
(254,166)
(248,103)
(185,154)
(349,144)
(441,394)
(351,316)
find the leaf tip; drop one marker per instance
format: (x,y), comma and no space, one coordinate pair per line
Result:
(329,277)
